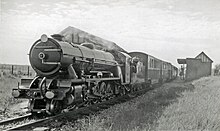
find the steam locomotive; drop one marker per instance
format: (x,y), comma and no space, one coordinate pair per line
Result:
(69,75)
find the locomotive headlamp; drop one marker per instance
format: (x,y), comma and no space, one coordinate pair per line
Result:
(15,93)
(44,38)
(49,94)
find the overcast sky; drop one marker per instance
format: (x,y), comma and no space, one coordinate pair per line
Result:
(167,29)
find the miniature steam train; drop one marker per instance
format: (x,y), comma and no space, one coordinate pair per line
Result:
(69,75)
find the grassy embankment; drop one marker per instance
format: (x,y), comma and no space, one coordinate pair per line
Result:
(140,113)
(197,110)
(6,99)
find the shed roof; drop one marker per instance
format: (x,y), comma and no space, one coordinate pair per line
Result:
(181,61)
(203,57)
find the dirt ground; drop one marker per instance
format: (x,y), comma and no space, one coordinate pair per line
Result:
(19,108)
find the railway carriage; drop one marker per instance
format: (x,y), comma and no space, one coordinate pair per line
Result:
(151,70)
(148,68)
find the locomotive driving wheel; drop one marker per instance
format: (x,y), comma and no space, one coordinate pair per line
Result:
(54,107)
(109,90)
(102,88)
(122,90)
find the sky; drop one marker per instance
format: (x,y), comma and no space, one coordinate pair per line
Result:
(166,29)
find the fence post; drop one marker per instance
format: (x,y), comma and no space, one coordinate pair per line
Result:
(12,69)
(28,70)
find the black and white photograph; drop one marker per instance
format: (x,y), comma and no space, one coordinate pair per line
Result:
(109,65)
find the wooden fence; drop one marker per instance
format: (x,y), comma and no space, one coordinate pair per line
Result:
(17,70)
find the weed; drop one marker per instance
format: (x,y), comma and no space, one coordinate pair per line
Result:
(197,110)
(137,114)
(6,99)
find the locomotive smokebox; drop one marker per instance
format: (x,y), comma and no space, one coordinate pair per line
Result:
(45,56)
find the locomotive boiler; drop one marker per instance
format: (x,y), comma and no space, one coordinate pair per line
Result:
(69,75)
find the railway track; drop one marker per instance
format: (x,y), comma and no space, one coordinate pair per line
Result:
(11,121)
(46,123)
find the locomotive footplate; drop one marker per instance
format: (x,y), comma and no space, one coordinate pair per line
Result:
(39,88)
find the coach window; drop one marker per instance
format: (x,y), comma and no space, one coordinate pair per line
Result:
(164,66)
(151,63)
(155,64)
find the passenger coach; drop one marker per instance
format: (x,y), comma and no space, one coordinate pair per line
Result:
(151,70)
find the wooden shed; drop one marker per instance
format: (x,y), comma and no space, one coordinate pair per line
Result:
(197,67)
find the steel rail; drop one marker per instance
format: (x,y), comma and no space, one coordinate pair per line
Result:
(13,120)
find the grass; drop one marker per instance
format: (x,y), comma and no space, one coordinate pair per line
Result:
(197,110)
(140,113)
(6,99)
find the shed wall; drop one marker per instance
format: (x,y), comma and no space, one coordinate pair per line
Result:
(196,69)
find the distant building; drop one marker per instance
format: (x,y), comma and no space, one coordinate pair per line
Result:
(197,67)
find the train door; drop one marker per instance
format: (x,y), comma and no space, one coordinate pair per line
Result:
(127,70)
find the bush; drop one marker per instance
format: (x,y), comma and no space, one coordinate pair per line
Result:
(6,99)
